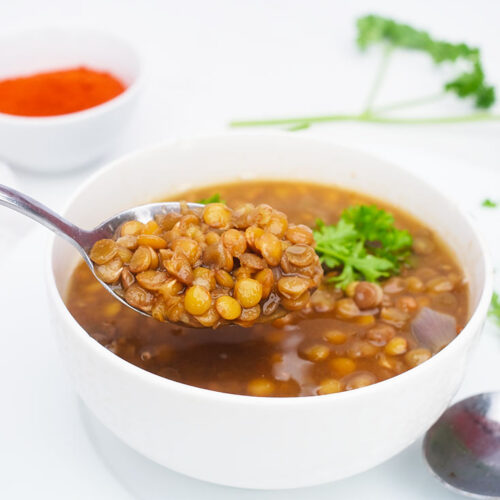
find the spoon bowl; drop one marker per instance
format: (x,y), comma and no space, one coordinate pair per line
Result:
(109,228)
(82,239)
(463,447)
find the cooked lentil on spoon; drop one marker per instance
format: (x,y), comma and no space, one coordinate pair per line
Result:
(211,266)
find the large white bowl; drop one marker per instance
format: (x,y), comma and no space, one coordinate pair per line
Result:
(263,442)
(64,142)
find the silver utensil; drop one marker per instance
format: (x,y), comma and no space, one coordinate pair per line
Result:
(463,447)
(80,238)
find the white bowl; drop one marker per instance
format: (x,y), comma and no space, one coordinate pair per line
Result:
(64,142)
(263,442)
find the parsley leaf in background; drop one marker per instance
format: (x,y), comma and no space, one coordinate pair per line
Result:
(494,311)
(374,29)
(215,198)
(489,203)
(364,244)
(470,82)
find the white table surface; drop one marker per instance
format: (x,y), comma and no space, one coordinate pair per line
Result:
(208,62)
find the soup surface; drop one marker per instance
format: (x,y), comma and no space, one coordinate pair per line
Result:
(330,346)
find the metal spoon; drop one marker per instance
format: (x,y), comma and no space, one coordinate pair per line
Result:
(81,239)
(463,447)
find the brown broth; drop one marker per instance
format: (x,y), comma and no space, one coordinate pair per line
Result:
(271,359)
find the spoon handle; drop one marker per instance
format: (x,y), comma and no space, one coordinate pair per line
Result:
(25,205)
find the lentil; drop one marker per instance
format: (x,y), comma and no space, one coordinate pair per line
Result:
(329,386)
(317,353)
(396,346)
(343,366)
(417,356)
(260,387)
(368,295)
(228,307)
(335,337)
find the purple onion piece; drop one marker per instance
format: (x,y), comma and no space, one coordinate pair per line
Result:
(433,329)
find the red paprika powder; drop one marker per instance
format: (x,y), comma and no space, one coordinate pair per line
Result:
(57,92)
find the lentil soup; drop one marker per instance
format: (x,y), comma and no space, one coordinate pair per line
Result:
(340,340)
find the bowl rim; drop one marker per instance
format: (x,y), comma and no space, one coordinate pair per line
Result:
(473,325)
(95,111)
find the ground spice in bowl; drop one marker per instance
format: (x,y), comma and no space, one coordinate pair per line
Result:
(58,92)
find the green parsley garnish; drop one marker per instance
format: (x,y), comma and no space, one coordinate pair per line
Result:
(470,81)
(494,311)
(215,198)
(364,244)
(376,29)
(489,203)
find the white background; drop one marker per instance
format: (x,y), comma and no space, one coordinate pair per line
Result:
(207,62)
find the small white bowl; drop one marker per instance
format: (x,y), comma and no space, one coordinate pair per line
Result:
(64,142)
(248,441)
